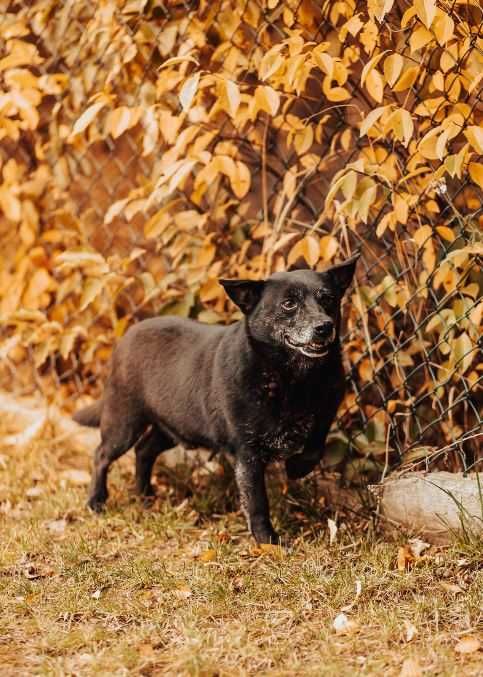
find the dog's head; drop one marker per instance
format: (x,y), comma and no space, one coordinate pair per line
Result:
(297,310)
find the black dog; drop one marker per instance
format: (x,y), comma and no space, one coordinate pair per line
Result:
(264,388)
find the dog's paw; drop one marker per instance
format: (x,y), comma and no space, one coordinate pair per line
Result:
(268,536)
(96,504)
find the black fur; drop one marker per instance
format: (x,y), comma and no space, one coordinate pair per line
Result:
(267,387)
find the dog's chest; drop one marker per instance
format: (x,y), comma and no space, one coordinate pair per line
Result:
(287,419)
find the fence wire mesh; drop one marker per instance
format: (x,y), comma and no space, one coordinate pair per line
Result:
(149,147)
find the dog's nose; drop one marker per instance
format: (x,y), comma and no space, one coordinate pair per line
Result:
(324,330)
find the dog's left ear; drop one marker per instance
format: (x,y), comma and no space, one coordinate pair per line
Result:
(342,273)
(244,293)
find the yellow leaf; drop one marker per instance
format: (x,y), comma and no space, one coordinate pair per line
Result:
(121,119)
(328,247)
(476,172)
(21,54)
(10,204)
(407,79)
(180,174)
(462,353)
(308,248)
(272,550)
(353,26)
(87,117)
(303,140)
(325,62)
(240,180)
(349,184)
(176,60)
(401,208)
(208,555)
(419,38)
(334,93)
(68,340)
(375,85)
(371,119)
(379,8)
(92,288)
(121,326)
(405,558)
(443,27)
(440,148)
(267,99)
(426,11)
(427,145)
(474,134)
(422,235)
(401,124)
(392,68)
(271,62)
(232,92)
(446,233)
(115,209)
(151,131)
(366,201)
(188,91)
(372,63)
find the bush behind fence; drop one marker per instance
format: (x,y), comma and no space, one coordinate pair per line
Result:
(148,148)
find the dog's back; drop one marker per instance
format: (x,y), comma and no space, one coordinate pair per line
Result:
(170,369)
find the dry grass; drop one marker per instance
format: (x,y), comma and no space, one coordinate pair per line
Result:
(133,592)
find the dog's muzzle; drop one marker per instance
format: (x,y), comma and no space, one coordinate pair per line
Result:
(313,348)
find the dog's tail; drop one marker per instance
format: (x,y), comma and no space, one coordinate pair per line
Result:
(89,416)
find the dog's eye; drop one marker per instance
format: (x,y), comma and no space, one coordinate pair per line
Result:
(289,304)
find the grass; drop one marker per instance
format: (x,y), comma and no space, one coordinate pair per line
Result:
(180,589)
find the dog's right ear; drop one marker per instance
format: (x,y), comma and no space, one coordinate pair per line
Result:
(244,293)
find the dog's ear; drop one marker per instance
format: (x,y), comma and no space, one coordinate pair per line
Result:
(299,264)
(342,273)
(244,293)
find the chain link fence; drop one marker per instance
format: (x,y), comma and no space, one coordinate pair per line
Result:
(100,104)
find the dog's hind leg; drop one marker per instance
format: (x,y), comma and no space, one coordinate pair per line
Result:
(147,450)
(117,436)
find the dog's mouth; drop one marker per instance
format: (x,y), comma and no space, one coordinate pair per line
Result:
(312,349)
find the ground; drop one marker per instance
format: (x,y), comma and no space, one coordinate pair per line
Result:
(178,588)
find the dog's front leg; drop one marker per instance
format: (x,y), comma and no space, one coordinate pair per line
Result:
(300,465)
(250,479)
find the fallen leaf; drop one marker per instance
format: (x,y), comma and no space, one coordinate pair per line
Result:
(183,592)
(208,555)
(417,546)
(344,625)
(451,587)
(56,526)
(34,492)
(405,558)
(411,630)
(468,644)
(411,668)
(77,477)
(271,549)
(333,529)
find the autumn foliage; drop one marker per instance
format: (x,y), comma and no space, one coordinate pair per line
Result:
(148,148)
